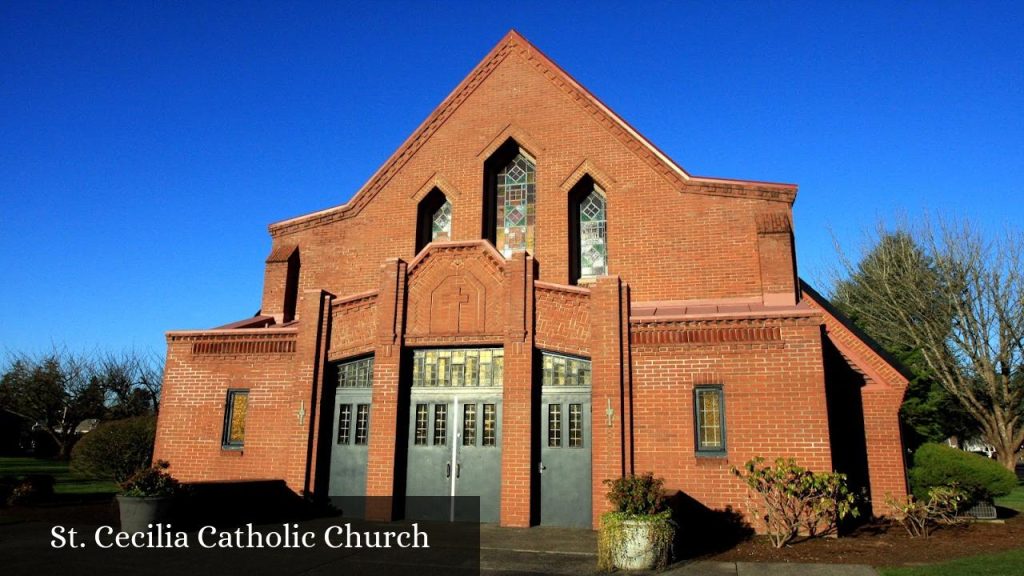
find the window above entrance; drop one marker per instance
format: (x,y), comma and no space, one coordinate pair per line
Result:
(458,367)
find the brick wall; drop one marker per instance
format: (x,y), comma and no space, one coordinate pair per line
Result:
(191,421)
(775,405)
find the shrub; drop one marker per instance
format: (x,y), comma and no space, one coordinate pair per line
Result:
(116,449)
(920,518)
(636,494)
(32,488)
(978,477)
(151,482)
(792,498)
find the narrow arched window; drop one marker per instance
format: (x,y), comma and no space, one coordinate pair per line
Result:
(509,213)
(588,229)
(433,219)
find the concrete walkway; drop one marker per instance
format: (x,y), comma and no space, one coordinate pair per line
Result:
(25,549)
(537,551)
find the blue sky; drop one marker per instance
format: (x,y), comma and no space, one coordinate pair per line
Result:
(145,146)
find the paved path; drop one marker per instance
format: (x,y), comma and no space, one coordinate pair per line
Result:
(540,550)
(25,549)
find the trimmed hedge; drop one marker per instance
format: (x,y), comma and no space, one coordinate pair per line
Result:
(940,465)
(116,449)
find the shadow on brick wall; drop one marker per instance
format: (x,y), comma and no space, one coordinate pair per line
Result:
(702,531)
(232,504)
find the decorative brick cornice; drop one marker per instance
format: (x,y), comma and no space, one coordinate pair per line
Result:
(238,342)
(354,301)
(680,333)
(468,247)
(774,223)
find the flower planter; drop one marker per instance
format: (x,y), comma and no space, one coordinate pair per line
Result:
(139,512)
(634,547)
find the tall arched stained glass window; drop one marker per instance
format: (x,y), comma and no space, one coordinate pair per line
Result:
(441,223)
(593,239)
(516,187)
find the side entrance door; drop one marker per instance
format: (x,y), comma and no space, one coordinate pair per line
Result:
(565,465)
(351,430)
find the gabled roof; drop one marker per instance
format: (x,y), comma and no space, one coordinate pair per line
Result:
(513,42)
(860,350)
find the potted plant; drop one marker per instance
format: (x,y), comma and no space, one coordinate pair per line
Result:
(145,498)
(637,534)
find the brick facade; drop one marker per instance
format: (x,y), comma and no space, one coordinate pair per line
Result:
(701,290)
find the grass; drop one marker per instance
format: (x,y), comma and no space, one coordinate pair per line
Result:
(67,482)
(1001,564)
(1014,500)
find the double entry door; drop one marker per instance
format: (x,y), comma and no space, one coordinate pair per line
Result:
(455,435)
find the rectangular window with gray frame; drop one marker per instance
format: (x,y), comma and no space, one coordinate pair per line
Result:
(235,410)
(709,420)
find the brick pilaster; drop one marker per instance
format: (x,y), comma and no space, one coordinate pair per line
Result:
(310,367)
(380,474)
(609,311)
(517,458)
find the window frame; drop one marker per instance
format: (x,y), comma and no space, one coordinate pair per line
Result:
(719,391)
(229,410)
(578,194)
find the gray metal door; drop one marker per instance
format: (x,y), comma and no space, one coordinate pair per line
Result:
(454,450)
(455,433)
(565,466)
(351,436)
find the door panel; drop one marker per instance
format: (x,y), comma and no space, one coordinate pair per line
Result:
(565,459)
(349,451)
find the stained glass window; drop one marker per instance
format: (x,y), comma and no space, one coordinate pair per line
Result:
(593,236)
(469,425)
(234,418)
(710,419)
(356,373)
(441,223)
(561,370)
(440,424)
(575,425)
(554,425)
(490,425)
(458,368)
(515,206)
(421,424)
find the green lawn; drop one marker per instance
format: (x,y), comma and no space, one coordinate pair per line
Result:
(1014,500)
(1002,564)
(67,481)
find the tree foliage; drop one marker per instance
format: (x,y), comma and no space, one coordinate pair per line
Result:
(953,299)
(57,391)
(896,265)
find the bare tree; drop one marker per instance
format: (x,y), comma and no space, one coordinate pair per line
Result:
(966,317)
(132,383)
(56,392)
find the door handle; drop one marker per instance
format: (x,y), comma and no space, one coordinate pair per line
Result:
(541,467)
(458,469)
(448,470)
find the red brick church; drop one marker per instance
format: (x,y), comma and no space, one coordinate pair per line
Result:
(526,299)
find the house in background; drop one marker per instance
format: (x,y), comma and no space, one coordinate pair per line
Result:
(526,299)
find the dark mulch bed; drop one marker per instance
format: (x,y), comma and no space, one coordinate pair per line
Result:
(885,544)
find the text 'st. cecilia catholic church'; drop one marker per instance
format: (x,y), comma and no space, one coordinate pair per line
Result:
(526,299)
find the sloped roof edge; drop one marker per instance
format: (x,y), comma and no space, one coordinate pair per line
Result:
(871,357)
(513,40)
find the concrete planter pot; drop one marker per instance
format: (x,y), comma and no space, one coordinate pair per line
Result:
(634,548)
(139,512)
